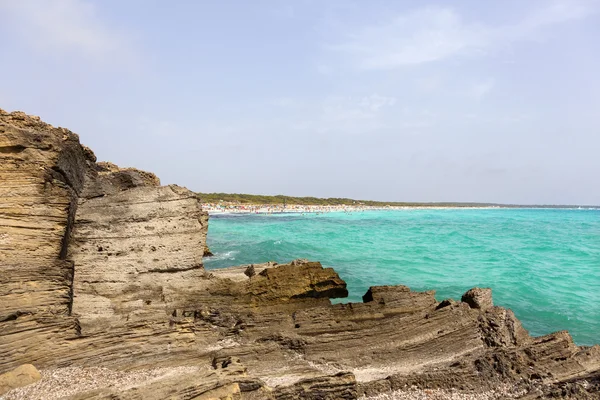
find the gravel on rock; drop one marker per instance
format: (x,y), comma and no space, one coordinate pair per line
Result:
(63,382)
(443,394)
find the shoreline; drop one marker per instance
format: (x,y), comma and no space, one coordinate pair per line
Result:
(234,209)
(213,209)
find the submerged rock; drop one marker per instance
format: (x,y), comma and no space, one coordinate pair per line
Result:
(207,252)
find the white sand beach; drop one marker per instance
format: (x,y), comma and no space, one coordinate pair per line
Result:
(221,208)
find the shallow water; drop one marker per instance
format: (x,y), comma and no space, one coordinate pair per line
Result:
(544,264)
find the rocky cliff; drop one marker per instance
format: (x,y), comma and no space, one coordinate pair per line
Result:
(101,267)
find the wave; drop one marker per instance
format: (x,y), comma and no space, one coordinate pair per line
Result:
(227,255)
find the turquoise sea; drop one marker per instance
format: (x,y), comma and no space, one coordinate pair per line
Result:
(544,264)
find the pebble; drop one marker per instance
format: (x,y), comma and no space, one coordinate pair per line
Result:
(63,382)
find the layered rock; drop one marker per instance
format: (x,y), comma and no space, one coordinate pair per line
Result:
(70,274)
(136,251)
(42,170)
(101,266)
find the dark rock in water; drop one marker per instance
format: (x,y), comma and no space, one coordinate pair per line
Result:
(207,252)
(102,267)
(478,298)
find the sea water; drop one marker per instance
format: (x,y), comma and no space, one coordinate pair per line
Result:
(544,264)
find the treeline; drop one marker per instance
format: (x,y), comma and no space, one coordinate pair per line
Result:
(238,198)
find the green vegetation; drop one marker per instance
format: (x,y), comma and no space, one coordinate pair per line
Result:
(256,199)
(237,198)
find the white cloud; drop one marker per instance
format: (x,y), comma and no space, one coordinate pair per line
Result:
(558,12)
(435,33)
(339,108)
(429,84)
(335,115)
(375,102)
(421,36)
(65,26)
(480,89)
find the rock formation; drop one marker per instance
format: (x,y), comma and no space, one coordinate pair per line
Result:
(21,376)
(102,267)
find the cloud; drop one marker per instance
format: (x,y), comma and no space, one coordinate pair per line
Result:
(479,90)
(421,36)
(335,114)
(339,108)
(435,33)
(65,26)
(376,102)
(558,12)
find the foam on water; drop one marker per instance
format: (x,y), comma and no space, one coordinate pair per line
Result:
(222,256)
(544,264)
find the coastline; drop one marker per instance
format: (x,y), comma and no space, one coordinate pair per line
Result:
(103,273)
(231,209)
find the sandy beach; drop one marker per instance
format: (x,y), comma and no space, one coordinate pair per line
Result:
(278,208)
(216,209)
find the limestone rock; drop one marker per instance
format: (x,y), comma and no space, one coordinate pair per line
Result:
(238,273)
(60,278)
(478,298)
(146,178)
(341,386)
(400,297)
(42,170)
(21,376)
(446,303)
(250,271)
(280,283)
(135,250)
(197,386)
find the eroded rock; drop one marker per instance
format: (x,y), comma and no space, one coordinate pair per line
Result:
(400,297)
(478,298)
(21,376)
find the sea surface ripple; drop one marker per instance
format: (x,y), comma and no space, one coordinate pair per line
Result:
(544,264)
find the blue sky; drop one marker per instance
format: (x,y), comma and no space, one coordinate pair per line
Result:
(495,101)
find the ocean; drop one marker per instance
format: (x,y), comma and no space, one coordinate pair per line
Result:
(544,264)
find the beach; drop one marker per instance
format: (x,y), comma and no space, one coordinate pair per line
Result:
(230,208)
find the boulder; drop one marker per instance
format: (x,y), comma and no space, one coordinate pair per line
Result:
(480,298)
(23,375)
(207,252)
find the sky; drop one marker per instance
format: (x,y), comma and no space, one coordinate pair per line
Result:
(469,100)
